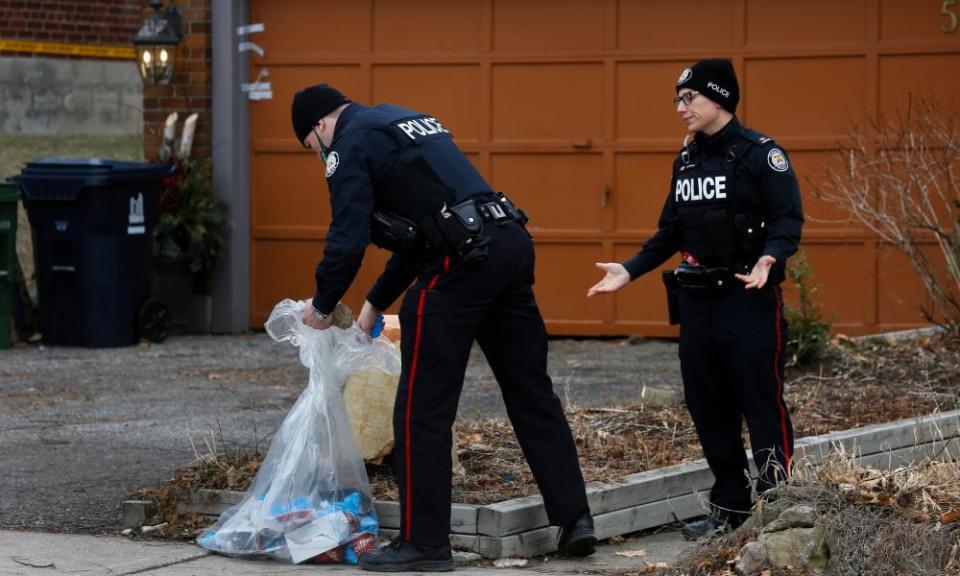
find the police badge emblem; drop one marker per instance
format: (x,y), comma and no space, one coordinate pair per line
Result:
(777,160)
(684,76)
(333,160)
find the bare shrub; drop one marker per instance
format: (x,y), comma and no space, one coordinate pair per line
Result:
(900,181)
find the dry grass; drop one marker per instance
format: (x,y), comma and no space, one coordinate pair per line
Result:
(897,522)
(214,468)
(611,442)
(858,384)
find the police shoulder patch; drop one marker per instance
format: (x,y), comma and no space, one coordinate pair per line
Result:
(777,160)
(684,76)
(333,160)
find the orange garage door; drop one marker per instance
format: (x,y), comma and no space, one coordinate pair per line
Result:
(565,105)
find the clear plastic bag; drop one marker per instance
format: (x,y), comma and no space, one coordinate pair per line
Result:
(311,498)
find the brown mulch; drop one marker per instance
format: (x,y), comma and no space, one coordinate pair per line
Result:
(857,383)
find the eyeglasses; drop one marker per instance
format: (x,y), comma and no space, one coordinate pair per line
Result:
(686,98)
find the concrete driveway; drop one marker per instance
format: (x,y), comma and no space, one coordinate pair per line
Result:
(82,429)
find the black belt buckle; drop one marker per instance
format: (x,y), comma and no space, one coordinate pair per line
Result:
(502,211)
(494,212)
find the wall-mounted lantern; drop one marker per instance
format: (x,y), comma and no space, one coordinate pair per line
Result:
(156,43)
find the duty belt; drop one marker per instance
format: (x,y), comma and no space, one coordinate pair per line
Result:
(462,225)
(703,281)
(500,210)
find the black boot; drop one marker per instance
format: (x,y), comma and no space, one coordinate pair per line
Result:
(713,524)
(402,556)
(578,538)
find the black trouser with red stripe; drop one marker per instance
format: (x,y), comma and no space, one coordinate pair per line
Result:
(731,358)
(451,305)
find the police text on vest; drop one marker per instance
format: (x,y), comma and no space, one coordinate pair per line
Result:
(693,189)
(422,127)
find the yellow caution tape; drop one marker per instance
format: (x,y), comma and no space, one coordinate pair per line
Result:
(89,50)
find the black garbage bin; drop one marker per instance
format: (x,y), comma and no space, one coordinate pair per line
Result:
(92,223)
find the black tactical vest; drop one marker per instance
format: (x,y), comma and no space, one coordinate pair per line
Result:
(719,216)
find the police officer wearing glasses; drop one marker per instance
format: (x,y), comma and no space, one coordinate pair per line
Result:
(734,214)
(466,261)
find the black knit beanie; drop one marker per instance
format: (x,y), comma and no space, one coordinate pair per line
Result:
(715,79)
(311,104)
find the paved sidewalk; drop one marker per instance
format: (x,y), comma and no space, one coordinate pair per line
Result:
(43,554)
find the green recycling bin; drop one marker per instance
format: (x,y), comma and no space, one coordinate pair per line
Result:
(9,196)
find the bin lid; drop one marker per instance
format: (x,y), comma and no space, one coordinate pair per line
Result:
(9,192)
(62,179)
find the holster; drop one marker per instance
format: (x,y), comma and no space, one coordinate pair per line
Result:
(673,295)
(396,234)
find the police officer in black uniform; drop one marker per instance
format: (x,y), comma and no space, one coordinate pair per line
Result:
(396,179)
(734,214)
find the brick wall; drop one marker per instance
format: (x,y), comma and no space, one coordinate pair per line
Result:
(114,23)
(190,89)
(111,22)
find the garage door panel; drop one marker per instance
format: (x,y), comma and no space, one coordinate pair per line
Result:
(450,93)
(900,288)
(547,101)
(289,190)
(271,118)
(427,25)
(931,77)
(535,182)
(805,97)
(644,93)
(282,269)
(641,186)
(563,274)
(573,25)
(811,169)
(655,25)
(294,27)
(808,22)
(565,105)
(644,300)
(285,269)
(901,20)
(842,272)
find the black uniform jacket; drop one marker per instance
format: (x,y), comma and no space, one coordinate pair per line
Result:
(760,178)
(390,159)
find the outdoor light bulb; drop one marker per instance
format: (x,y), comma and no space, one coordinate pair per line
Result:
(163,56)
(146,57)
